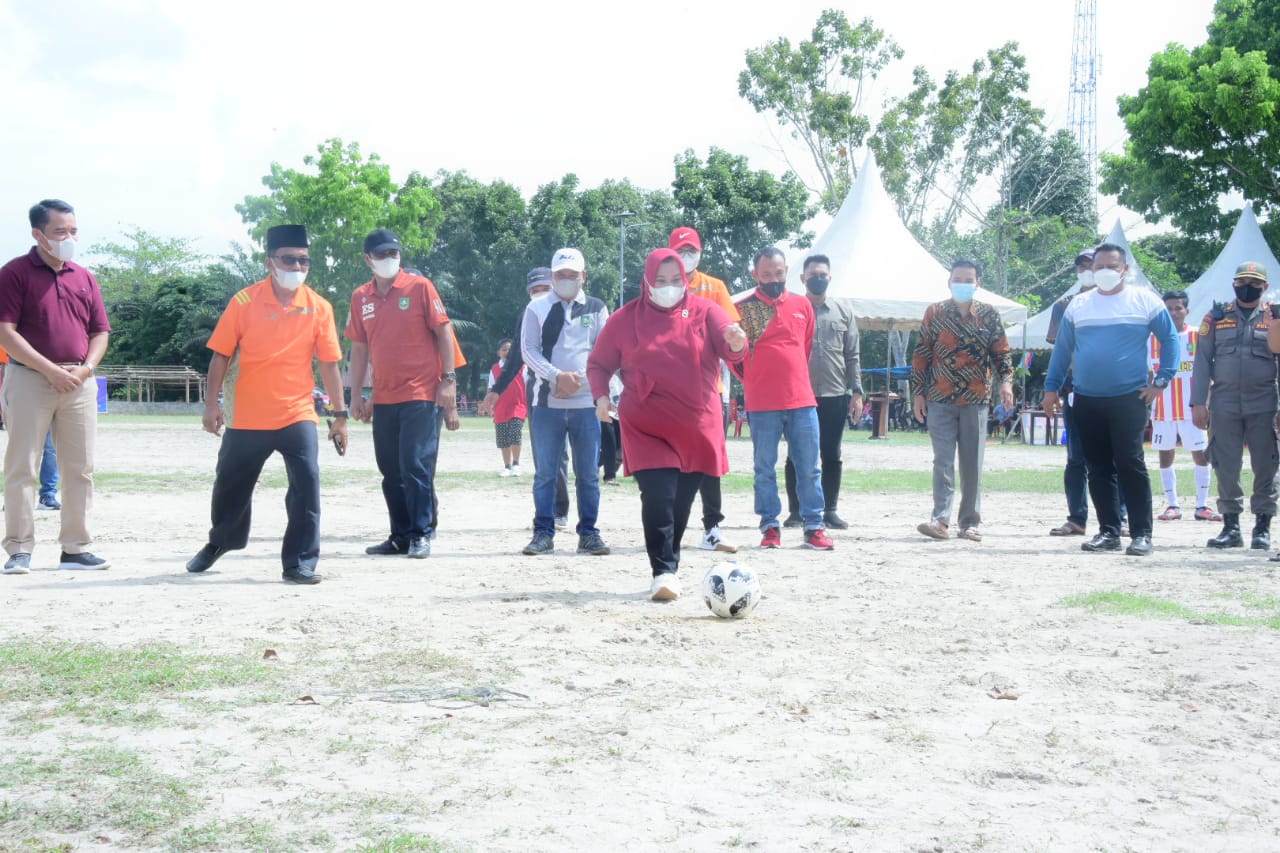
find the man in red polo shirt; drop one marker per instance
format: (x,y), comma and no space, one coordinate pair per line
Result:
(399,325)
(54,326)
(780,401)
(688,245)
(263,347)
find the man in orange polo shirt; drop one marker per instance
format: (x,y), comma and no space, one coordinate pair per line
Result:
(688,245)
(399,325)
(263,348)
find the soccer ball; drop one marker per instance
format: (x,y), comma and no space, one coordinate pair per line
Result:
(730,590)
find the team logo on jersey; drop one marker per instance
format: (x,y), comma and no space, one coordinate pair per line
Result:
(367,309)
(586,320)
(404,303)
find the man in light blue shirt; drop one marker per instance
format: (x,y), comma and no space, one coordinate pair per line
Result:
(1103,340)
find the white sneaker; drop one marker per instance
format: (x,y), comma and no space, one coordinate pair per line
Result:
(666,587)
(515,470)
(505,472)
(713,541)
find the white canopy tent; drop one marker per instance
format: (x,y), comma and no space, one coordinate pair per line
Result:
(877,263)
(1246,244)
(1031,335)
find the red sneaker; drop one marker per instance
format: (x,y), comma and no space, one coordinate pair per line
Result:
(772,538)
(1173,513)
(818,540)
(1203,513)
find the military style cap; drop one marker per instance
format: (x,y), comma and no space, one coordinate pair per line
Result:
(1252,269)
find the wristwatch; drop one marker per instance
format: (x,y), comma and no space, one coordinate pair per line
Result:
(343,414)
(1160,382)
(449,376)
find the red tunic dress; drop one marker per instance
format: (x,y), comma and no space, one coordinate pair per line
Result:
(511,404)
(670,362)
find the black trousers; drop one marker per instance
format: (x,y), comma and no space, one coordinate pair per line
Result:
(1111,431)
(666,498)
(712,499)
(240,460)
(610,448)
(833,414)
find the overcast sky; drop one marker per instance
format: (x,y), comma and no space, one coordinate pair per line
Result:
(164,115)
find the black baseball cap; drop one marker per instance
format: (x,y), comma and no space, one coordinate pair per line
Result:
(381,240)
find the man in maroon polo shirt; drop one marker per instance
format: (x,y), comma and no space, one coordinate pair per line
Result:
(54,326)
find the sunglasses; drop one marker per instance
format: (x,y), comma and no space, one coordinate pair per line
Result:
(300,261)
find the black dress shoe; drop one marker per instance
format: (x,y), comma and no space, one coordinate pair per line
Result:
(835,522)
(206,557)
(300,574)
(1102,542)
(792,520)
(1139,547)
(1229,538)
(388,549)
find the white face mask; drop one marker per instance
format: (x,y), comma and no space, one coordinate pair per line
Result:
(566,288)
(386,267)
(1085,278)
(290,279)
(1107,279)
(63,250)
(666,297)
(690,261)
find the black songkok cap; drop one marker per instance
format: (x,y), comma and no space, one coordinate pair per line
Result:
(286,237)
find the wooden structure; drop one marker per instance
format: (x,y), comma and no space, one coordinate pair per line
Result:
(140,381)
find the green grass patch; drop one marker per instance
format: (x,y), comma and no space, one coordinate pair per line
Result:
(1262,613)
(93,680)
(247,835)
(114,790)
(405,842)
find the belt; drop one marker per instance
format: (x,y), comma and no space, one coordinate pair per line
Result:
(59,363)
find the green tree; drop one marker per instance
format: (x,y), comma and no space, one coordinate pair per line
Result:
(341,199)
(737,210)
(1204,127)
(816,89)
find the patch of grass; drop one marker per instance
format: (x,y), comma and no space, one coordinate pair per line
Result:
(95,680)
(248,835)
(405,842)
(92,789)
(1147,607)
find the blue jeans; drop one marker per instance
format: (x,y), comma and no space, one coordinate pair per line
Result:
(49,470)
(550,427)
(800,426)
(406,437)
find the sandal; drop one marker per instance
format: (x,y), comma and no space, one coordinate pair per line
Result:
(1069,528)
(973,534)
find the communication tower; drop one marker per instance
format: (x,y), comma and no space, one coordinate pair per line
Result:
(1082,111)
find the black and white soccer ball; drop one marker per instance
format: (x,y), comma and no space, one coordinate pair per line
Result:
(731,591)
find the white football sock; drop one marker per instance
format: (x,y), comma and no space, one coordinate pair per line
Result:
(1169,480)
(1202,486)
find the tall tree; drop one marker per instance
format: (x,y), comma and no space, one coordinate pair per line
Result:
(816,90)
(1205,127)
(341,199)
(737,210)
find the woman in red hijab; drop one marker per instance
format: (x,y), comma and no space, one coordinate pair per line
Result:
(668,345)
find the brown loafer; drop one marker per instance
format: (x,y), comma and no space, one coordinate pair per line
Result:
(933,529)
(1069,528)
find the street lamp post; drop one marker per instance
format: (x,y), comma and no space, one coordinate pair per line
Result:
(622,255)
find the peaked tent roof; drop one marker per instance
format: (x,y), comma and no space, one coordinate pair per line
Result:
(1038,326)
(1246,244)
(877,263)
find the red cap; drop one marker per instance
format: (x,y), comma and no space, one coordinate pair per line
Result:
(684,237)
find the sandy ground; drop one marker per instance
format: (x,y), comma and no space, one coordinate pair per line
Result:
(855,710)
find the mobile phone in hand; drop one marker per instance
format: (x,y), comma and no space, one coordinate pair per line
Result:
(337,445)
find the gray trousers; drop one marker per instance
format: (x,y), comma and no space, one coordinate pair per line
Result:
(955,428)
(1228,435)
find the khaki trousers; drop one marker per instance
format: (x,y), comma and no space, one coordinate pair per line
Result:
(32,408)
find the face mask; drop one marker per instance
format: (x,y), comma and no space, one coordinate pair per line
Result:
(63,250)
(962,291)
(773,289)
(1085,278)
(818,284)
(1107,279)
(566,288)
(386,267)
(666,297)
(1248,293)
(690,261)
(290,279)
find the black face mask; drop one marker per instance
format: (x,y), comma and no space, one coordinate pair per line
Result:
(773,289)
(818,284)
(1248,293)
